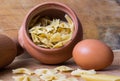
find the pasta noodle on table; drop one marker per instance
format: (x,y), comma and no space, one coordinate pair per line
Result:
(42,71)
(22,71)
(25,78)
(57,74)
(100,77)
(63,69)
(80,72)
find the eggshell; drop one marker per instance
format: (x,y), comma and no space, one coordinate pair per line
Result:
(92,54)
(20,50)
(8,51)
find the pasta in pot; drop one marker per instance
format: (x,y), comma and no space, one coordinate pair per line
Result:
(52,33)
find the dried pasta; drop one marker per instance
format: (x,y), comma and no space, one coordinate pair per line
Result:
(63,69)
(80,72)
(22,71)
(41,72)
(52,33)
(100,77)
(56,74)
(25,78)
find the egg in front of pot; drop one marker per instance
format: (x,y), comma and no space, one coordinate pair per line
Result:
(8,50)
(92,54)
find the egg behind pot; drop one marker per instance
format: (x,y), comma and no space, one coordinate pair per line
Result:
(8,50)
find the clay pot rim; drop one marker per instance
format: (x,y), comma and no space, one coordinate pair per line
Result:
(63,6)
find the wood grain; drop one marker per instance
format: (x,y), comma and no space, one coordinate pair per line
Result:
(100,18)
(32,64)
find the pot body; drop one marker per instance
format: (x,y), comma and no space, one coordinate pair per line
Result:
(50,56)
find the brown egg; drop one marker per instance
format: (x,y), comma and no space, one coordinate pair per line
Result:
(92,54)
(8,51)
(20,50)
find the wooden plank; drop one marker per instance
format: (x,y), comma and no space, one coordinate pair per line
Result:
(32,64)
(100,18)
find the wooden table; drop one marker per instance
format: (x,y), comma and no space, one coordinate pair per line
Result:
(100,20)
(32,64)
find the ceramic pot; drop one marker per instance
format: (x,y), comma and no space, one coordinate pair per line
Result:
(50,56)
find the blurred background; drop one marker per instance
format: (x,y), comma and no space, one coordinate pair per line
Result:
(100,19)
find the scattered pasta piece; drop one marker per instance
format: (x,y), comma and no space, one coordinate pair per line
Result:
(22,71)
(40,72)
(100,77)
(67,79)
(63,69)
(80,72)
(25,78)
(72,79)
(45,74)
(51,77)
